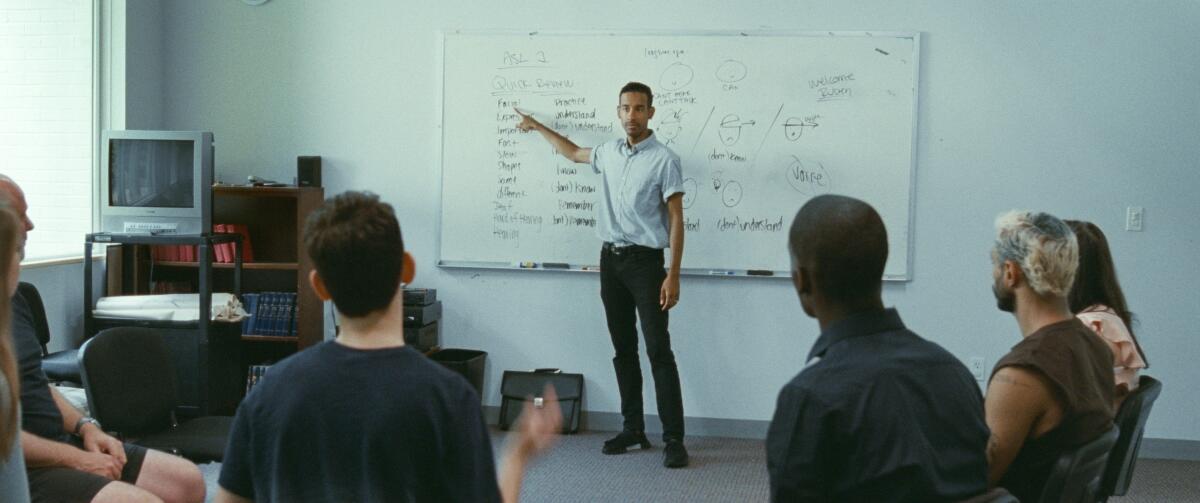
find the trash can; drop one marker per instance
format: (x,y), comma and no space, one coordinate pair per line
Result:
(467,362)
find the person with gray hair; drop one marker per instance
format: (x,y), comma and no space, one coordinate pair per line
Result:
(1054,390)
(68,457)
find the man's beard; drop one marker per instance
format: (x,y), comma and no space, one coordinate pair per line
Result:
(1005,300)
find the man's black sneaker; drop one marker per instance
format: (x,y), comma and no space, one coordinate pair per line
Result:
(675,455)
(624,440)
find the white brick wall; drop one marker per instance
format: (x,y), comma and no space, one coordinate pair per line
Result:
(46,117)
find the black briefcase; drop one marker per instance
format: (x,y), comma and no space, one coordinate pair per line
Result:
(517,386)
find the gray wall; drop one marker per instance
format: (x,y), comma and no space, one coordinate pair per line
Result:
(144,77)
(61,288)
(1077,111)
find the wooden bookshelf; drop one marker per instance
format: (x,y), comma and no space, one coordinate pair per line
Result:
(275,217)
(269,338)
(262,266)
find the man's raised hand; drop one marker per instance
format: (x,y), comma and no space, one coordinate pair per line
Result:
(528,123)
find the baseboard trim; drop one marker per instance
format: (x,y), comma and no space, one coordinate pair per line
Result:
(1152,448)
(1169,448)
(696,426)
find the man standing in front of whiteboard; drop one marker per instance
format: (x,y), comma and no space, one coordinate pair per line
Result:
(641,213)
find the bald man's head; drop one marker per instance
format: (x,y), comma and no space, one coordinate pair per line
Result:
(842,245)
(14,197)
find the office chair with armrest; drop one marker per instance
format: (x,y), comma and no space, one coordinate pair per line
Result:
(1131,418)
(1075,477)
(131,389)
(59,366)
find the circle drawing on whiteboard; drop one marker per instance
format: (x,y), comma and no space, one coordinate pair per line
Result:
(670,127)
(731,195)
(807,177)
(676,76)
(730,130)
(690,188)
(793,127)
(731,70)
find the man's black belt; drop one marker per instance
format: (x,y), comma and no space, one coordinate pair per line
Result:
(629,249)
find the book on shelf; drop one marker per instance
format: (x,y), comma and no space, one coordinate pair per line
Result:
(224,253)
(220,250)
(247,249)
(227,252)
(250,303)
(254,374)
(271,314)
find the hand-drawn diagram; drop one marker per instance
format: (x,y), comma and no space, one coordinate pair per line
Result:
(793,127)
(690,191)
(717,181)
(730,130)
(676,77)
(731,195)
(807,177)
(670,127)
(731,70)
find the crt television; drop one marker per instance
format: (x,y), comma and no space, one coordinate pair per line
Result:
(156,182)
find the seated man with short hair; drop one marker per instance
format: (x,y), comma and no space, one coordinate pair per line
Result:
(364,417)
(1054,391)
(878,413)
(67,456)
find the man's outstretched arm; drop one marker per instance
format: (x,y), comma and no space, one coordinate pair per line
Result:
(564,146)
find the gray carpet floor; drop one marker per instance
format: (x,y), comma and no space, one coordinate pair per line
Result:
(724,469)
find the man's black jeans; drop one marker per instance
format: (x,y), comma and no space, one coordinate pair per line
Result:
(631,278)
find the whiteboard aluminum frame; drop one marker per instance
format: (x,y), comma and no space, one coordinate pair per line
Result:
(915,36)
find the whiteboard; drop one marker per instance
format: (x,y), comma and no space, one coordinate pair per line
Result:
(762,122)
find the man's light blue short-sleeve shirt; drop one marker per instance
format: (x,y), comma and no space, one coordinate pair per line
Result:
(635,185)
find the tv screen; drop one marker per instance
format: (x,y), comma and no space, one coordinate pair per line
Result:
(155,182)
(151,173)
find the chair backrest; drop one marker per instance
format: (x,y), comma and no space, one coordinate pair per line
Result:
(1131,418)
(1075,477)
(996,495)
(130,380)
(38,308)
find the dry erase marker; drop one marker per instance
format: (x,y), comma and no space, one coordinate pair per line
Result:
(760,272)
(721,273)
(526,265)
(590,268)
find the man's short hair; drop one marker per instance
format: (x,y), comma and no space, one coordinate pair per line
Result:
(1042,245)
(842,242)
(354,240)
(638,87)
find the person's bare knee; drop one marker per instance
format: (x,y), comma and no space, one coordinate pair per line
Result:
(172,478)
(120,492)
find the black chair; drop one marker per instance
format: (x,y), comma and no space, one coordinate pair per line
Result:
(1075,477)
(131,390)
(1131,418)
(996,495)
(60,366)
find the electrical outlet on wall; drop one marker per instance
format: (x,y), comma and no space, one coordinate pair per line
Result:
(1134,218)
(978,369)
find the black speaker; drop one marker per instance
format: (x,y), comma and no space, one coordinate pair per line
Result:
(308,171)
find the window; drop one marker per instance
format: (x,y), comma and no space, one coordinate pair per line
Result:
(46,117)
